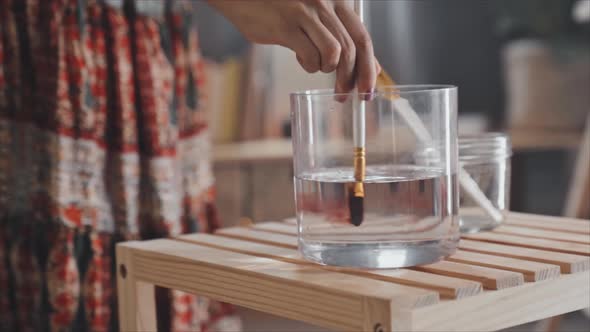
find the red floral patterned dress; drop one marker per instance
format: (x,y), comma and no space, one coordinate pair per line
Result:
(103,138)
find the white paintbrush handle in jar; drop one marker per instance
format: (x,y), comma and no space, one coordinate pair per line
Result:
(358,105)
(469,185)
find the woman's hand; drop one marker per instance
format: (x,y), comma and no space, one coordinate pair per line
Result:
(326,35)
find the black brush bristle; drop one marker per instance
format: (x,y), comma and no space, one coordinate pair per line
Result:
(356,205)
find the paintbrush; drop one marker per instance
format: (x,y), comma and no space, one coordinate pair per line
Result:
(356,194)
(356,191)
(405,110)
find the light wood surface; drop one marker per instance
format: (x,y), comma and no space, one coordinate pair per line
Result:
(261,236)
(516,219)
(137,299)
(495,310)
(544,234)
(567,262)
(277,227)
(490,278)
(290,221)
(567,226)
(522,241)
(550,219)
(578,199)
(299,292)
(532,271)
(447,287)
(254,151)
(535,140)
(259,267)
(577,203)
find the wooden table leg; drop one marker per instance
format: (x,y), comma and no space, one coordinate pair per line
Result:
(579,194)
(137,299)
(576,205)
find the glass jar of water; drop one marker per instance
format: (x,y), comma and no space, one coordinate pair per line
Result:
(409,207)
(486,158)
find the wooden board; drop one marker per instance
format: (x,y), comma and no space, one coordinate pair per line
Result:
(561,226)
(577,203)
(300,292)
(496,310)
(527,242)
(254,151)
(490,278)
(541,219)
(494,281)
(523,139)
(567,262)
(532,271)
(447,287)
(544,234)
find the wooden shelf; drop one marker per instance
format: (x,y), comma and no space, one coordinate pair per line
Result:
(281,149)
(523,272)
(531,140)
(254,151)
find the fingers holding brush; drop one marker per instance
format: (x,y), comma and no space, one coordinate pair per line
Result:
(378,67)
(325,39)
(326,35)
(306,52)
(343,44)
(345,75)
(365,68)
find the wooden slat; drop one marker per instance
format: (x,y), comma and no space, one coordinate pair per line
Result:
(300,292)
(254,151)
(277,227)
(533,271)
(568,227)
(561,232)
(396,225)
(526,139)
(137,299)
(259,267)
(522,241)
(490,278)
(290,221)
(544,234)
(545,218)
(513,224)
(568,263)
(243,233)
(577,203)
(447,287)
(496,310)
(249,247)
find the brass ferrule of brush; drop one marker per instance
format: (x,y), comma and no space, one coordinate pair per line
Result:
(359,172)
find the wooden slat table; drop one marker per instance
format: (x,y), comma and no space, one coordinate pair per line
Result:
(532,268)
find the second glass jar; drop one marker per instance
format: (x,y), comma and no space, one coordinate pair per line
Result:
(486,158)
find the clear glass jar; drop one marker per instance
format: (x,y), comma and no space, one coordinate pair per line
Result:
(410,203)
(486,158)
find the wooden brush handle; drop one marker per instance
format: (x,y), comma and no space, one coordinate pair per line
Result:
(469,185)
(383,79)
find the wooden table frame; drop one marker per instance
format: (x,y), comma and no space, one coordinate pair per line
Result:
(511,276)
